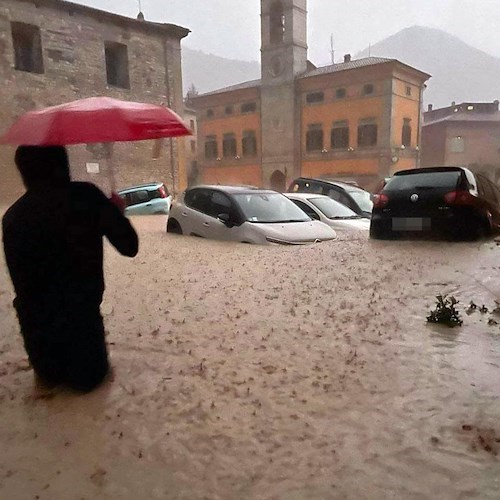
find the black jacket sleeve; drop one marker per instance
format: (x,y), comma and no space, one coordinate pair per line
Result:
(116,227)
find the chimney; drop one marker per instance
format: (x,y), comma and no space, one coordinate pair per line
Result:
(429,107)
(347,58)
(496,104)
(453,103)
(140,16)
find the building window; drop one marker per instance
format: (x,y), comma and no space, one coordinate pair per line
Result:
(314,97)
(408,91)
(249,143)
(211,149)
(277,22)
(457,144)
(340,135)
(368,89)
(249,107)
(193,146)
(229,146)
(406,135)
(210,113)
(340,93)
(229,110)
(367,133)
(314,137)
(27,48)
(116,55)
(192,125)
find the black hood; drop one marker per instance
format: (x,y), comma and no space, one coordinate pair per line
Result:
(43,166)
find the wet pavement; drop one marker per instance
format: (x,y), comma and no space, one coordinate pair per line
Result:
(271,373)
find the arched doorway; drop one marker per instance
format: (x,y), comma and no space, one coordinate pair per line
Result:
(278,181)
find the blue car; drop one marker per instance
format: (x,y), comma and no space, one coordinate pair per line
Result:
(146,199)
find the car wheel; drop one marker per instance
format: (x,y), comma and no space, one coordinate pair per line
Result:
(173,227)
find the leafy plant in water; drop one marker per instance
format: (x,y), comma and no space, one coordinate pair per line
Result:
(445,312)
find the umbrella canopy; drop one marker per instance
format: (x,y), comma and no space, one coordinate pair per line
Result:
(96,119)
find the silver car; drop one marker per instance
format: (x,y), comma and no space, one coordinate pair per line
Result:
(329,211)
(244,214)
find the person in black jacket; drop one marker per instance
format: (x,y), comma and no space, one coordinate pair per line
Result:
(53,242)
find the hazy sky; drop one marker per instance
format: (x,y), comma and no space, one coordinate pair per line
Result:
(231,28)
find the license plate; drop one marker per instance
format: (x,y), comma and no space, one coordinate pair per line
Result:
(411,223)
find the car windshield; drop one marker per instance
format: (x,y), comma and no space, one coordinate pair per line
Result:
(333,209)
(269,208)
(424,180)
(363,199)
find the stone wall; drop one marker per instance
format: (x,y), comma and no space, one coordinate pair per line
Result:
(73,39)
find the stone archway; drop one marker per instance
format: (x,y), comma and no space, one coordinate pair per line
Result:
(278,181)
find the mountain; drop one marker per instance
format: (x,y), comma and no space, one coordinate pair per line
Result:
(459,72)
(208,72)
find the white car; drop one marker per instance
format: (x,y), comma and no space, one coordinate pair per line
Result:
(331,212)
(244,214)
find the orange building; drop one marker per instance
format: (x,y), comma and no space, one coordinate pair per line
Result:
(358,120)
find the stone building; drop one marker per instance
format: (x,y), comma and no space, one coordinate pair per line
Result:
(466,134)
(358,120)
(53,51)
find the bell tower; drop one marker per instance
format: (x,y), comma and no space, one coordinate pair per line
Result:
(283,58)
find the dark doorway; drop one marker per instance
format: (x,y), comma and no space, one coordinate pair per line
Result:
(278,181)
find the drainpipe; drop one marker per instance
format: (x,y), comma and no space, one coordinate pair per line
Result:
(419,129)
(169,104)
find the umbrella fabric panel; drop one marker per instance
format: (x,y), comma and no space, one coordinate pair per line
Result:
(96,119)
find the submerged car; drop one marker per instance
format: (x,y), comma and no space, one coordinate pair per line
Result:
(244,214)
(146,199)
(331,212)
(350,195)
(446,200)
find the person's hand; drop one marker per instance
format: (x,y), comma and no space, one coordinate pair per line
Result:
(117,200)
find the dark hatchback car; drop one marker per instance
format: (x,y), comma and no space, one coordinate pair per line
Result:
(446,200)
(349,194)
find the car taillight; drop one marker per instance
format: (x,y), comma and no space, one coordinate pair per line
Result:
(380,200)
(458,198)
(163,194)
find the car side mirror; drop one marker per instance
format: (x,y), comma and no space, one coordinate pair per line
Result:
(225,219)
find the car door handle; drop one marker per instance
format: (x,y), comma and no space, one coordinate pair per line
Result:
(206,224)
(184,214)
(148,205)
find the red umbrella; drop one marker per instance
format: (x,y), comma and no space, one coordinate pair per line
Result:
(96,119)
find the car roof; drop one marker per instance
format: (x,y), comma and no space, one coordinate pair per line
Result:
(344,185)
(424,170)
(233,189)
(305,196)
(141,186)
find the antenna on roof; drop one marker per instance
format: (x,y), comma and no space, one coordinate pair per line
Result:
(332,50)
(369,49)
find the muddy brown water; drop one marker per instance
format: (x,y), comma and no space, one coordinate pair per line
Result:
(270,373)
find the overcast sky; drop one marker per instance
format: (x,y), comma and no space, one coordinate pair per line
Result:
(231,28)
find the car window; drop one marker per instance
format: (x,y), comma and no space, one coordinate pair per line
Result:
(220,204)
(154,193)
(424,180)
(199,199)
(340,197)
(269,208)
(308,187)
(137,197)
(332,208)
(363,199)
(307,209)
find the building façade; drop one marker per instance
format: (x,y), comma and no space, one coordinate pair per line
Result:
(357,120)
(53,51)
